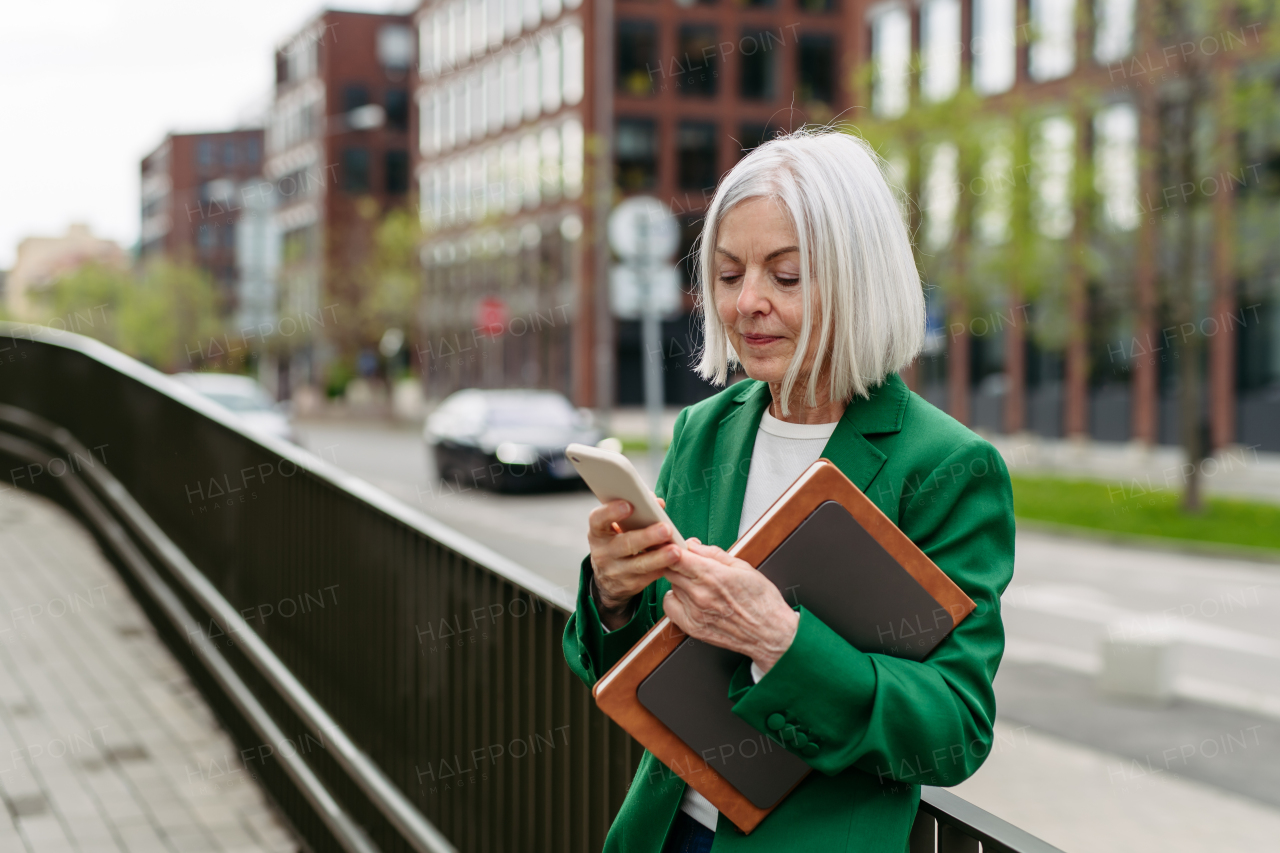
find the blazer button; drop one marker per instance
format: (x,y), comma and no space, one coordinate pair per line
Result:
(775,722)
(801,740)
(809,750)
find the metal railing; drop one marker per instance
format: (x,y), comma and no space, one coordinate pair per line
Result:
(392,684)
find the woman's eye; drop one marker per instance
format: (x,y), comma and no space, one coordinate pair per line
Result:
(787,279)
(730,277)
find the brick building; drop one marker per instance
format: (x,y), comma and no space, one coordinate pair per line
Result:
(1088,117)
(517,102)
(192,196)
(338,153)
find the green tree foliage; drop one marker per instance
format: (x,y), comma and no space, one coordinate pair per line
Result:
(392,281)
(164,314)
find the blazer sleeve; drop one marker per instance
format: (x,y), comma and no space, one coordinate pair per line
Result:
(589,651)
(919,722)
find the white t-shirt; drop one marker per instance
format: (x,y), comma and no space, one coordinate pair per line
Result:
(782,452)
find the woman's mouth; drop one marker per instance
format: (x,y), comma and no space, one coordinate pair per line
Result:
(759,340)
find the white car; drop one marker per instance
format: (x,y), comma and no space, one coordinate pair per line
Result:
(244,398)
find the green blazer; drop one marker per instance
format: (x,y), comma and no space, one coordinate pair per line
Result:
(883,725)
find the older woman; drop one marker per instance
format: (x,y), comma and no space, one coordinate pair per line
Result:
(808,282)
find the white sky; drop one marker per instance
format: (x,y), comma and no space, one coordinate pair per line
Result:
(87,87)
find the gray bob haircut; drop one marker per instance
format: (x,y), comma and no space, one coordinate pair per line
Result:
(854,250)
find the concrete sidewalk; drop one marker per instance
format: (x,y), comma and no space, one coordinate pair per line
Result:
(105,745)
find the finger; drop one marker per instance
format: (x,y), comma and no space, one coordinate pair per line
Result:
(636,541)
(655,563)
(690,565)
(711,552)
(604,516)
(662,503)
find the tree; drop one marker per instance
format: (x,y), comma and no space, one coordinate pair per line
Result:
(170,319)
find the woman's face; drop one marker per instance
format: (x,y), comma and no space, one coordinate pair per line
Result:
(758,296)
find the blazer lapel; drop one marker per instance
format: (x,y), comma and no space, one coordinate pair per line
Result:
(735,440)
(881,412)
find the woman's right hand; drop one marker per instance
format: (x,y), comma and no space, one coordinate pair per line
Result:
(625,563)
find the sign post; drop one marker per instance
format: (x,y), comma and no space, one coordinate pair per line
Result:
(644,234)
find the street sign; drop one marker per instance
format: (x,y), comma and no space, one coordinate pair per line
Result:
(491,316)
(643,229)
(627,297)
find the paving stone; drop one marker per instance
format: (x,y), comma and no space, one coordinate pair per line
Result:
(106,724)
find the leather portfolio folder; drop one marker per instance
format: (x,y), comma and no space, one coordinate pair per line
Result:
(828,548)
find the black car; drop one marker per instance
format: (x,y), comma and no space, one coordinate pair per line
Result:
(508,440)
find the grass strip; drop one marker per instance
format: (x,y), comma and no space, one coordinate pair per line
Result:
(1133,510)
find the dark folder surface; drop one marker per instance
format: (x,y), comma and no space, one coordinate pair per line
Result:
(837,571)
(828,548)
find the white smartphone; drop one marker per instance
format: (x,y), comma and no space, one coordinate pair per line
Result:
(612,477)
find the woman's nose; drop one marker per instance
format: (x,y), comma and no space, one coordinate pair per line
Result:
(752,299)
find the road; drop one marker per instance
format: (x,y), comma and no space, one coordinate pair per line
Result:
(1068,595)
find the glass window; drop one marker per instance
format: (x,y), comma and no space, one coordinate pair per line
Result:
(475,185)
(530,163)
(756,59)
(493,96)
(229,153)
(1115,170)
(993,188)
(573,152)
(817,6)
(1053,39)
(493,21)
(531,13)
(532,93)
(511,174)
(476,103)
(428,124)
(816,69)
(891,59)
(511,89)
(940,44)
(637,154)
(494,184)
(1113,30)
(397,169)
(355,170)
(511,18)
(751,136)
(204,153)
(477,29)
(252,151)
(573,54)
(549,72)
(395,47)
(439,38)
(426,49)
(994,47)
(696,155)
(398,109)
(455,34)
(637,57)
(1052,161)
(695,63)
(354,96)
(550,148)
(941,196)
(448,110)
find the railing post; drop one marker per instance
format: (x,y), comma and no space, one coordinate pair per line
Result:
(924,832)
(952,840)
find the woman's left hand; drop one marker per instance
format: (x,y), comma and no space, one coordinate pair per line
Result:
(723,601)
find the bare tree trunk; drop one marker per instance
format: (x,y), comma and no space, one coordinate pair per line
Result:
(1190,344)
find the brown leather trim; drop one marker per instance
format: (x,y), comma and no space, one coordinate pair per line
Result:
(618,698)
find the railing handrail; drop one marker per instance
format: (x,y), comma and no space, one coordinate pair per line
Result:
(522,577)
(128,525)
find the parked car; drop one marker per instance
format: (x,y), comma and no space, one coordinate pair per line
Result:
(245,398)
(506,440)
